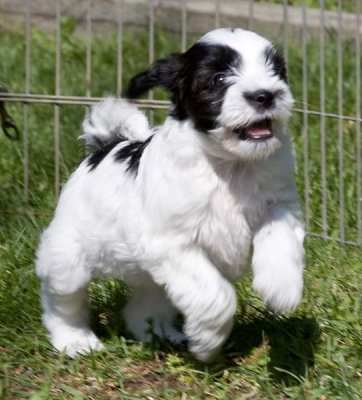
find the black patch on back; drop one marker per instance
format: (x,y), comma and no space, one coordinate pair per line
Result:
(95,158)
(132,153)
(274,58)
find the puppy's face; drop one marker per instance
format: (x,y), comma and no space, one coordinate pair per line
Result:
(232,84)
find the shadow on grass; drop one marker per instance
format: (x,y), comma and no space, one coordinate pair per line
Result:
(291,341)
(108,299)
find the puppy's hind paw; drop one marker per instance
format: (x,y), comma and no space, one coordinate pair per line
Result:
(76,341)
(173,335)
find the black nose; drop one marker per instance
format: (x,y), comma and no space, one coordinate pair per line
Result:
(260,98)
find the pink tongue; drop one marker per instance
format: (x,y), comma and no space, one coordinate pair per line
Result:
(259,131)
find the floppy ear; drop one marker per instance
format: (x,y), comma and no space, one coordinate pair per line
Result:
(162,73)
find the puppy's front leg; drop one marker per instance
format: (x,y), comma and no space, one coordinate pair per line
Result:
(278,260)
(203,296)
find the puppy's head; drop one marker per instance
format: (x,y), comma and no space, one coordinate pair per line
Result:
(232,84)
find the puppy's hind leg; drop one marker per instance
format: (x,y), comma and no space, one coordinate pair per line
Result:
(64,299)
(66,318)
(149,312)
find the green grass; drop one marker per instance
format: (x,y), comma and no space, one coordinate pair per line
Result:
(347,5)
(314,353)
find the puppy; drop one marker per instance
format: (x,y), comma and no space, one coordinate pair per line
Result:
(175,211)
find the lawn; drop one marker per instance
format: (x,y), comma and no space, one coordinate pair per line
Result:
(347,5)
(314,353)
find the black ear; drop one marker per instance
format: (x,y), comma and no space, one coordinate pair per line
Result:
(162,73)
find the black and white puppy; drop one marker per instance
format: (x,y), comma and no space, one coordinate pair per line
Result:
(174,211)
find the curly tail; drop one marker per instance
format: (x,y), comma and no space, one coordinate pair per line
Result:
(113,120)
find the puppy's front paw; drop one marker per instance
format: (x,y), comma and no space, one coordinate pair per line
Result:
(202,354)
(205,342)
(281,292)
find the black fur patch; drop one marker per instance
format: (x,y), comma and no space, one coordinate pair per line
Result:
(162,73)
(195,79)
(203,83)
(276,60)
(132,153)
(95,158)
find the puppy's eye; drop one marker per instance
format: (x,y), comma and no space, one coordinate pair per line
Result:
(218,79)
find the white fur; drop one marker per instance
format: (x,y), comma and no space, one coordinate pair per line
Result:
(116,118)
(181,231)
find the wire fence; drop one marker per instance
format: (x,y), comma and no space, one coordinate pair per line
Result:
(322,47)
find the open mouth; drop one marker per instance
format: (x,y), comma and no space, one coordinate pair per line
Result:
(260,130)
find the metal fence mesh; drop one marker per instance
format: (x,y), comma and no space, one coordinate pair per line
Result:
(322,45)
